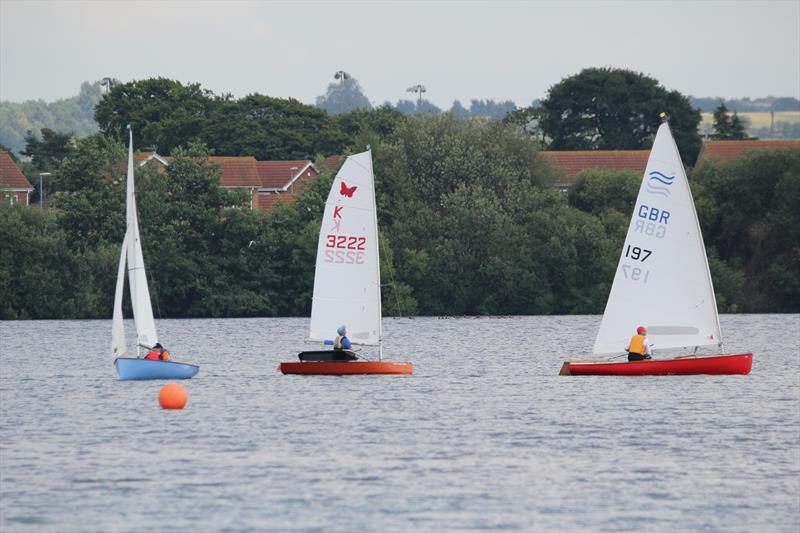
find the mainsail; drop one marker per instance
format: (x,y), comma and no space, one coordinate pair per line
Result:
(662,279)
(347,277)
(131,255)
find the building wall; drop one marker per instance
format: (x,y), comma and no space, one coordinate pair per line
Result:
(16,197)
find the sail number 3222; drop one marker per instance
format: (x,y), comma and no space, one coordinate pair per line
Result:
(345,242)
(344,249)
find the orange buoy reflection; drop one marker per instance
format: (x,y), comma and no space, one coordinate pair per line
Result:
(172,396)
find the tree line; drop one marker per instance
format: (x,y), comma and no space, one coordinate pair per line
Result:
(469,220)
(73,115)
(76,115)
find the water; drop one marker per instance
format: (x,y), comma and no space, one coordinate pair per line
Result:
(485,434)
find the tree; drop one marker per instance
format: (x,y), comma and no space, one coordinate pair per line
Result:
(164,113)
(465,206)
(73,115)
(596,191)
(91,192)
(420,107)
(271,128)
(749,217)
(343,96)
(383,121)
(727,128)
(459,110)
(46,156)
(615,109)
(527,120)
(48,153)
(491,109)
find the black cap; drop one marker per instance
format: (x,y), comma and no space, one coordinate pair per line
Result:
(157,345)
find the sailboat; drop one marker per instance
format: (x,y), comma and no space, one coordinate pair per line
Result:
(347,280)
(662,281)
(129,368)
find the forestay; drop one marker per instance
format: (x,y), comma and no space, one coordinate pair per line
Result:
(347,278)
(662,279)
(131,255)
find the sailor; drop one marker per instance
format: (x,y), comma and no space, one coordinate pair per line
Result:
(639,347)
(157,353)
(342,342)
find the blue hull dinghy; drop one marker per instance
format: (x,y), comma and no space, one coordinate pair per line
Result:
(130,368)
(131,260)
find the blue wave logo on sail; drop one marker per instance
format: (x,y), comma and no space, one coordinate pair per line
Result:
(659,183)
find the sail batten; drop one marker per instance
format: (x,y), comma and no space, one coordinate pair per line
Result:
(347,274)
(662,279)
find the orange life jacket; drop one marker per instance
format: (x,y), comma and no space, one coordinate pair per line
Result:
(637,345)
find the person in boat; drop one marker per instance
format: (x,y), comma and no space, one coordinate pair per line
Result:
(342,342)
(639,346)
(158,353)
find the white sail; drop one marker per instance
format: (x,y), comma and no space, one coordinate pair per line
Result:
(347,277)
(137,278)
(118,344)
(662,279)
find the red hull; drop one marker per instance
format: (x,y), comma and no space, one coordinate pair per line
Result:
(679,366)
(345,368)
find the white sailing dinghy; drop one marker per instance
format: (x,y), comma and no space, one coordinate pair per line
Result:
(129,368)
(663,281)
(347,280)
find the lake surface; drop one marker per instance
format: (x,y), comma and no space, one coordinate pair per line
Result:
(484,435)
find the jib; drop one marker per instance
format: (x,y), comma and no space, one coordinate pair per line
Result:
(654,214)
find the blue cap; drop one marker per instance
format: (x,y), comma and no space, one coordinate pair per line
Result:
(341,330)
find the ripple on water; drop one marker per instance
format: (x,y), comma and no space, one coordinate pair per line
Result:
(470,441)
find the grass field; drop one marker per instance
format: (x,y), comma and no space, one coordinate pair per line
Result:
(755,120)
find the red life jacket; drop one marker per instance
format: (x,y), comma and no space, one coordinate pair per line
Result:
(153,355)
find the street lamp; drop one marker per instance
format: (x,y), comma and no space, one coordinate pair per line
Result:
(41,190)
(419,88)
(341,75)
(108,83)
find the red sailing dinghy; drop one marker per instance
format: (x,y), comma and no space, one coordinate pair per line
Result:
(662,281)
(347,279)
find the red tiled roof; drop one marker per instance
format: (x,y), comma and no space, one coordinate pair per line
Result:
(278,174)
(266,202)
(723,151)
(245,171)
(235,171)
(573,162)
(10,175)
(332,162)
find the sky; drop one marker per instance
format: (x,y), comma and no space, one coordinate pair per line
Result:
(459,50)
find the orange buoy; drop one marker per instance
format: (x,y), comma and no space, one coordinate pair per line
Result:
(172,396)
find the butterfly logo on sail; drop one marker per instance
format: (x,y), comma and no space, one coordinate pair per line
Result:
(347,191)
(659,183)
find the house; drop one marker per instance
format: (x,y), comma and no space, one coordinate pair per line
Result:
(724,151)
(570,163)
(266,182)
(283,181)
(14,186)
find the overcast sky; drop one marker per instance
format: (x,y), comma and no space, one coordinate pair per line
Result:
(458,50)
